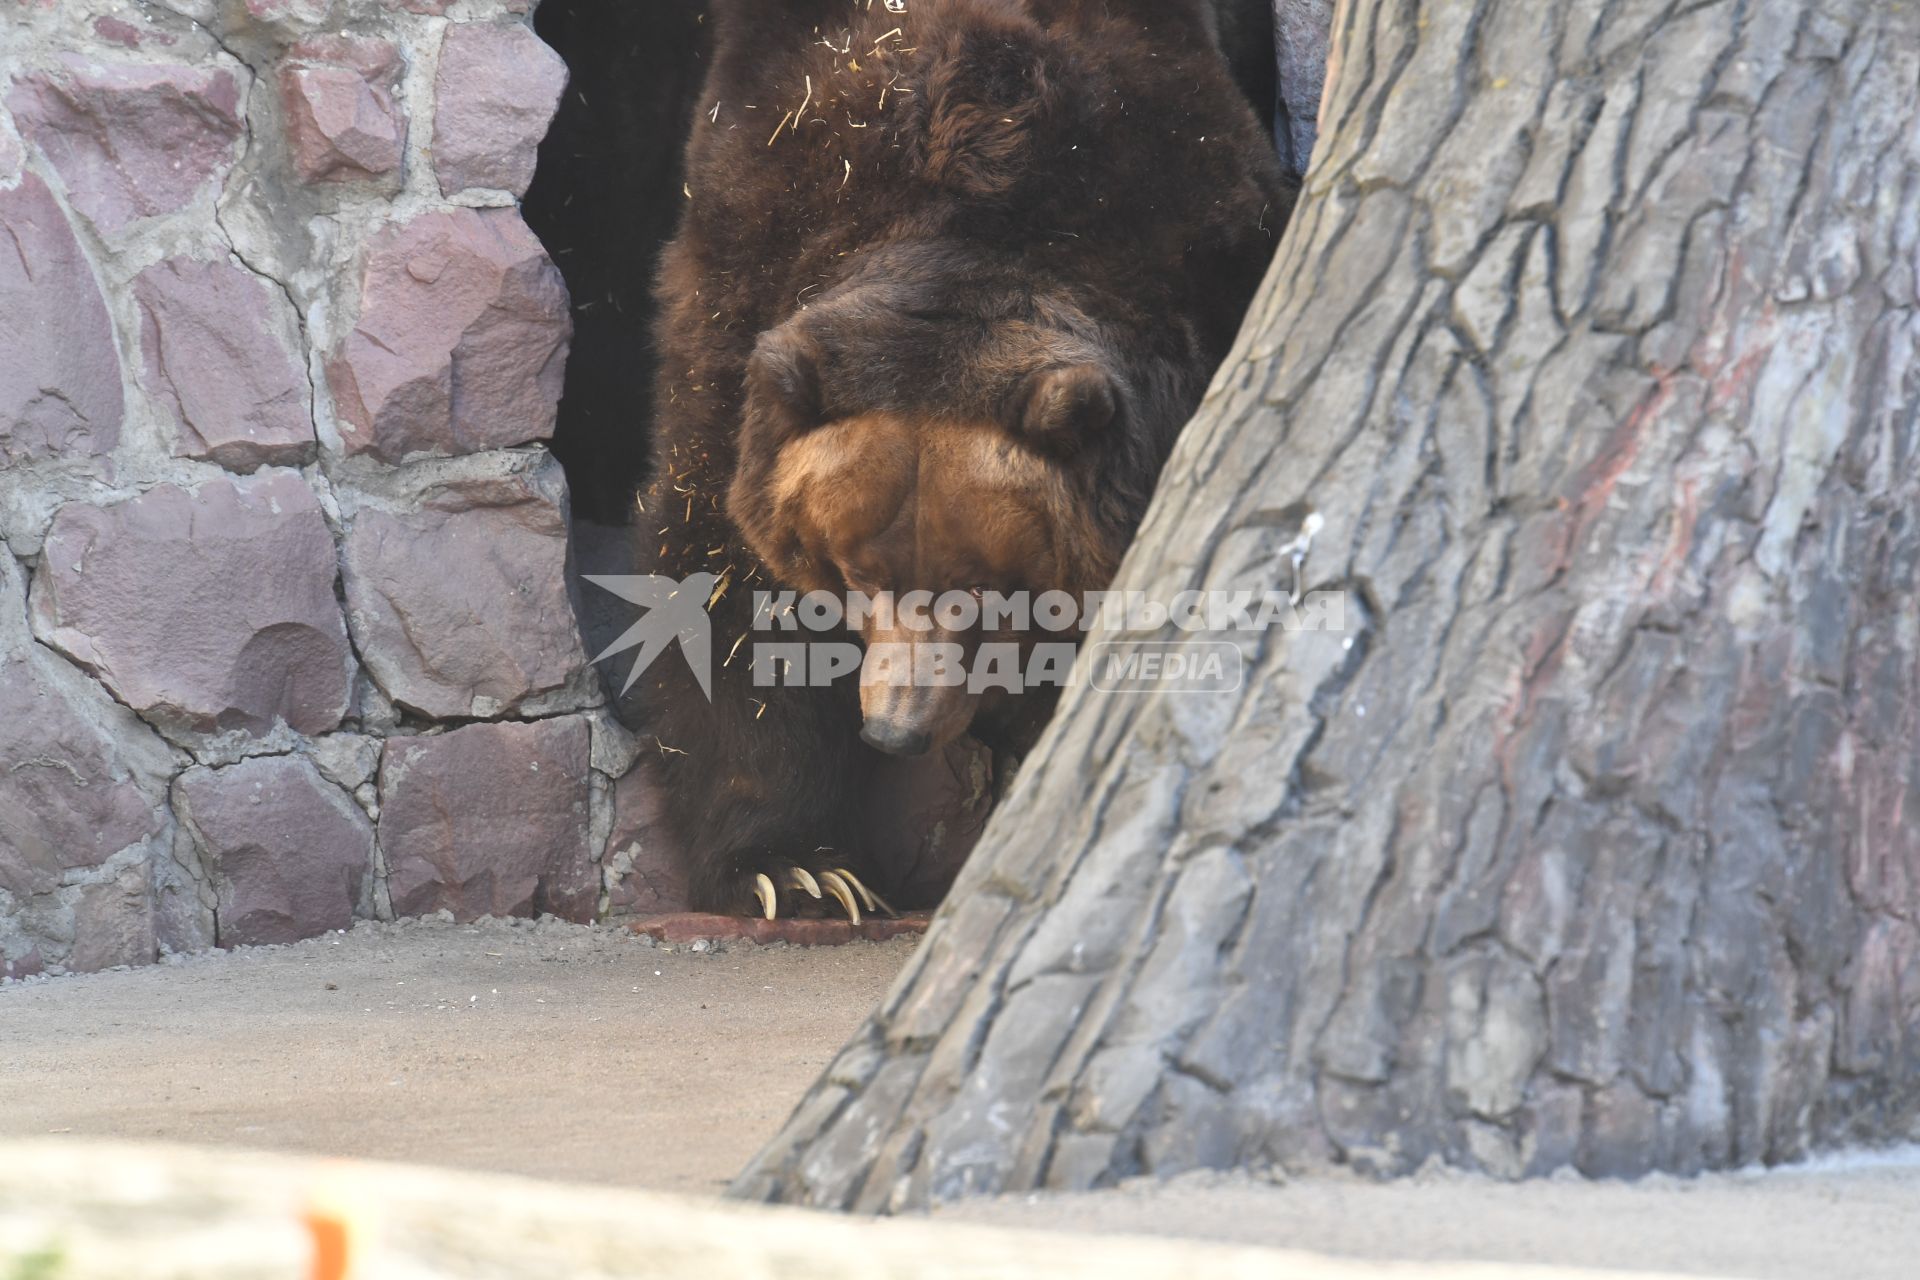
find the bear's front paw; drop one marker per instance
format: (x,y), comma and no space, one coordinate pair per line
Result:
(845,889)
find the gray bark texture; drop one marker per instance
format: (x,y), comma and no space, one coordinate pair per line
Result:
(1595,346)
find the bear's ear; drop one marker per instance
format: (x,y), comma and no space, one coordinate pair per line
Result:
(986,94)
(1064,408)
(783,387)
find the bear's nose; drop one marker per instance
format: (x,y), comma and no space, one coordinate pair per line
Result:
(894,740)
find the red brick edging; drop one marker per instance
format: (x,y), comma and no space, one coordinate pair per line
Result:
(689,926)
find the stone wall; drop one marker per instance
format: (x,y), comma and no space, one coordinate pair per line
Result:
(287,636)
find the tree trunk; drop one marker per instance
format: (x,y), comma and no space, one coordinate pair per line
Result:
(1595,346)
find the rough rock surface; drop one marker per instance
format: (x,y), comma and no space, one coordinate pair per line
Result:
(291,12)
(82,794)
(60,392)
(340,99)
(437,8)
(1302,31)
(349,760)
(131,141)
(207,610)
(498,88)
(13,156)
(459,603)
(210,355)
(82,778)
(290,854)
(491,819)
(114,31)
(113,922)
(461,341)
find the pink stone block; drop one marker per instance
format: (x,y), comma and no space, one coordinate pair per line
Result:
(236,395)
(497,90)
(461,342)
(339,96)
(131,141)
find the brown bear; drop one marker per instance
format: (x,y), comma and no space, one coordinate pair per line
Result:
(950,278)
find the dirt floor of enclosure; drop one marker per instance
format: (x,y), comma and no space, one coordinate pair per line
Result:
(580,1054)
(550,1050)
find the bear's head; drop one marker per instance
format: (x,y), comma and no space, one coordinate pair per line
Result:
(982,448)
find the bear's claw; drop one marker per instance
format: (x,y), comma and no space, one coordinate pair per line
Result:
(838,887)
(842,885)
(875,904)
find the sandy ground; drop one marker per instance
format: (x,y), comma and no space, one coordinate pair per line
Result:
(561,1052)
(1857,1220)
(549,1050)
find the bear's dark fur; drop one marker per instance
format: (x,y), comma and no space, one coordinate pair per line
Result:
(1046,217)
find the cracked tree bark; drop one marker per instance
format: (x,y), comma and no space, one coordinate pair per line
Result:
(1595,345)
